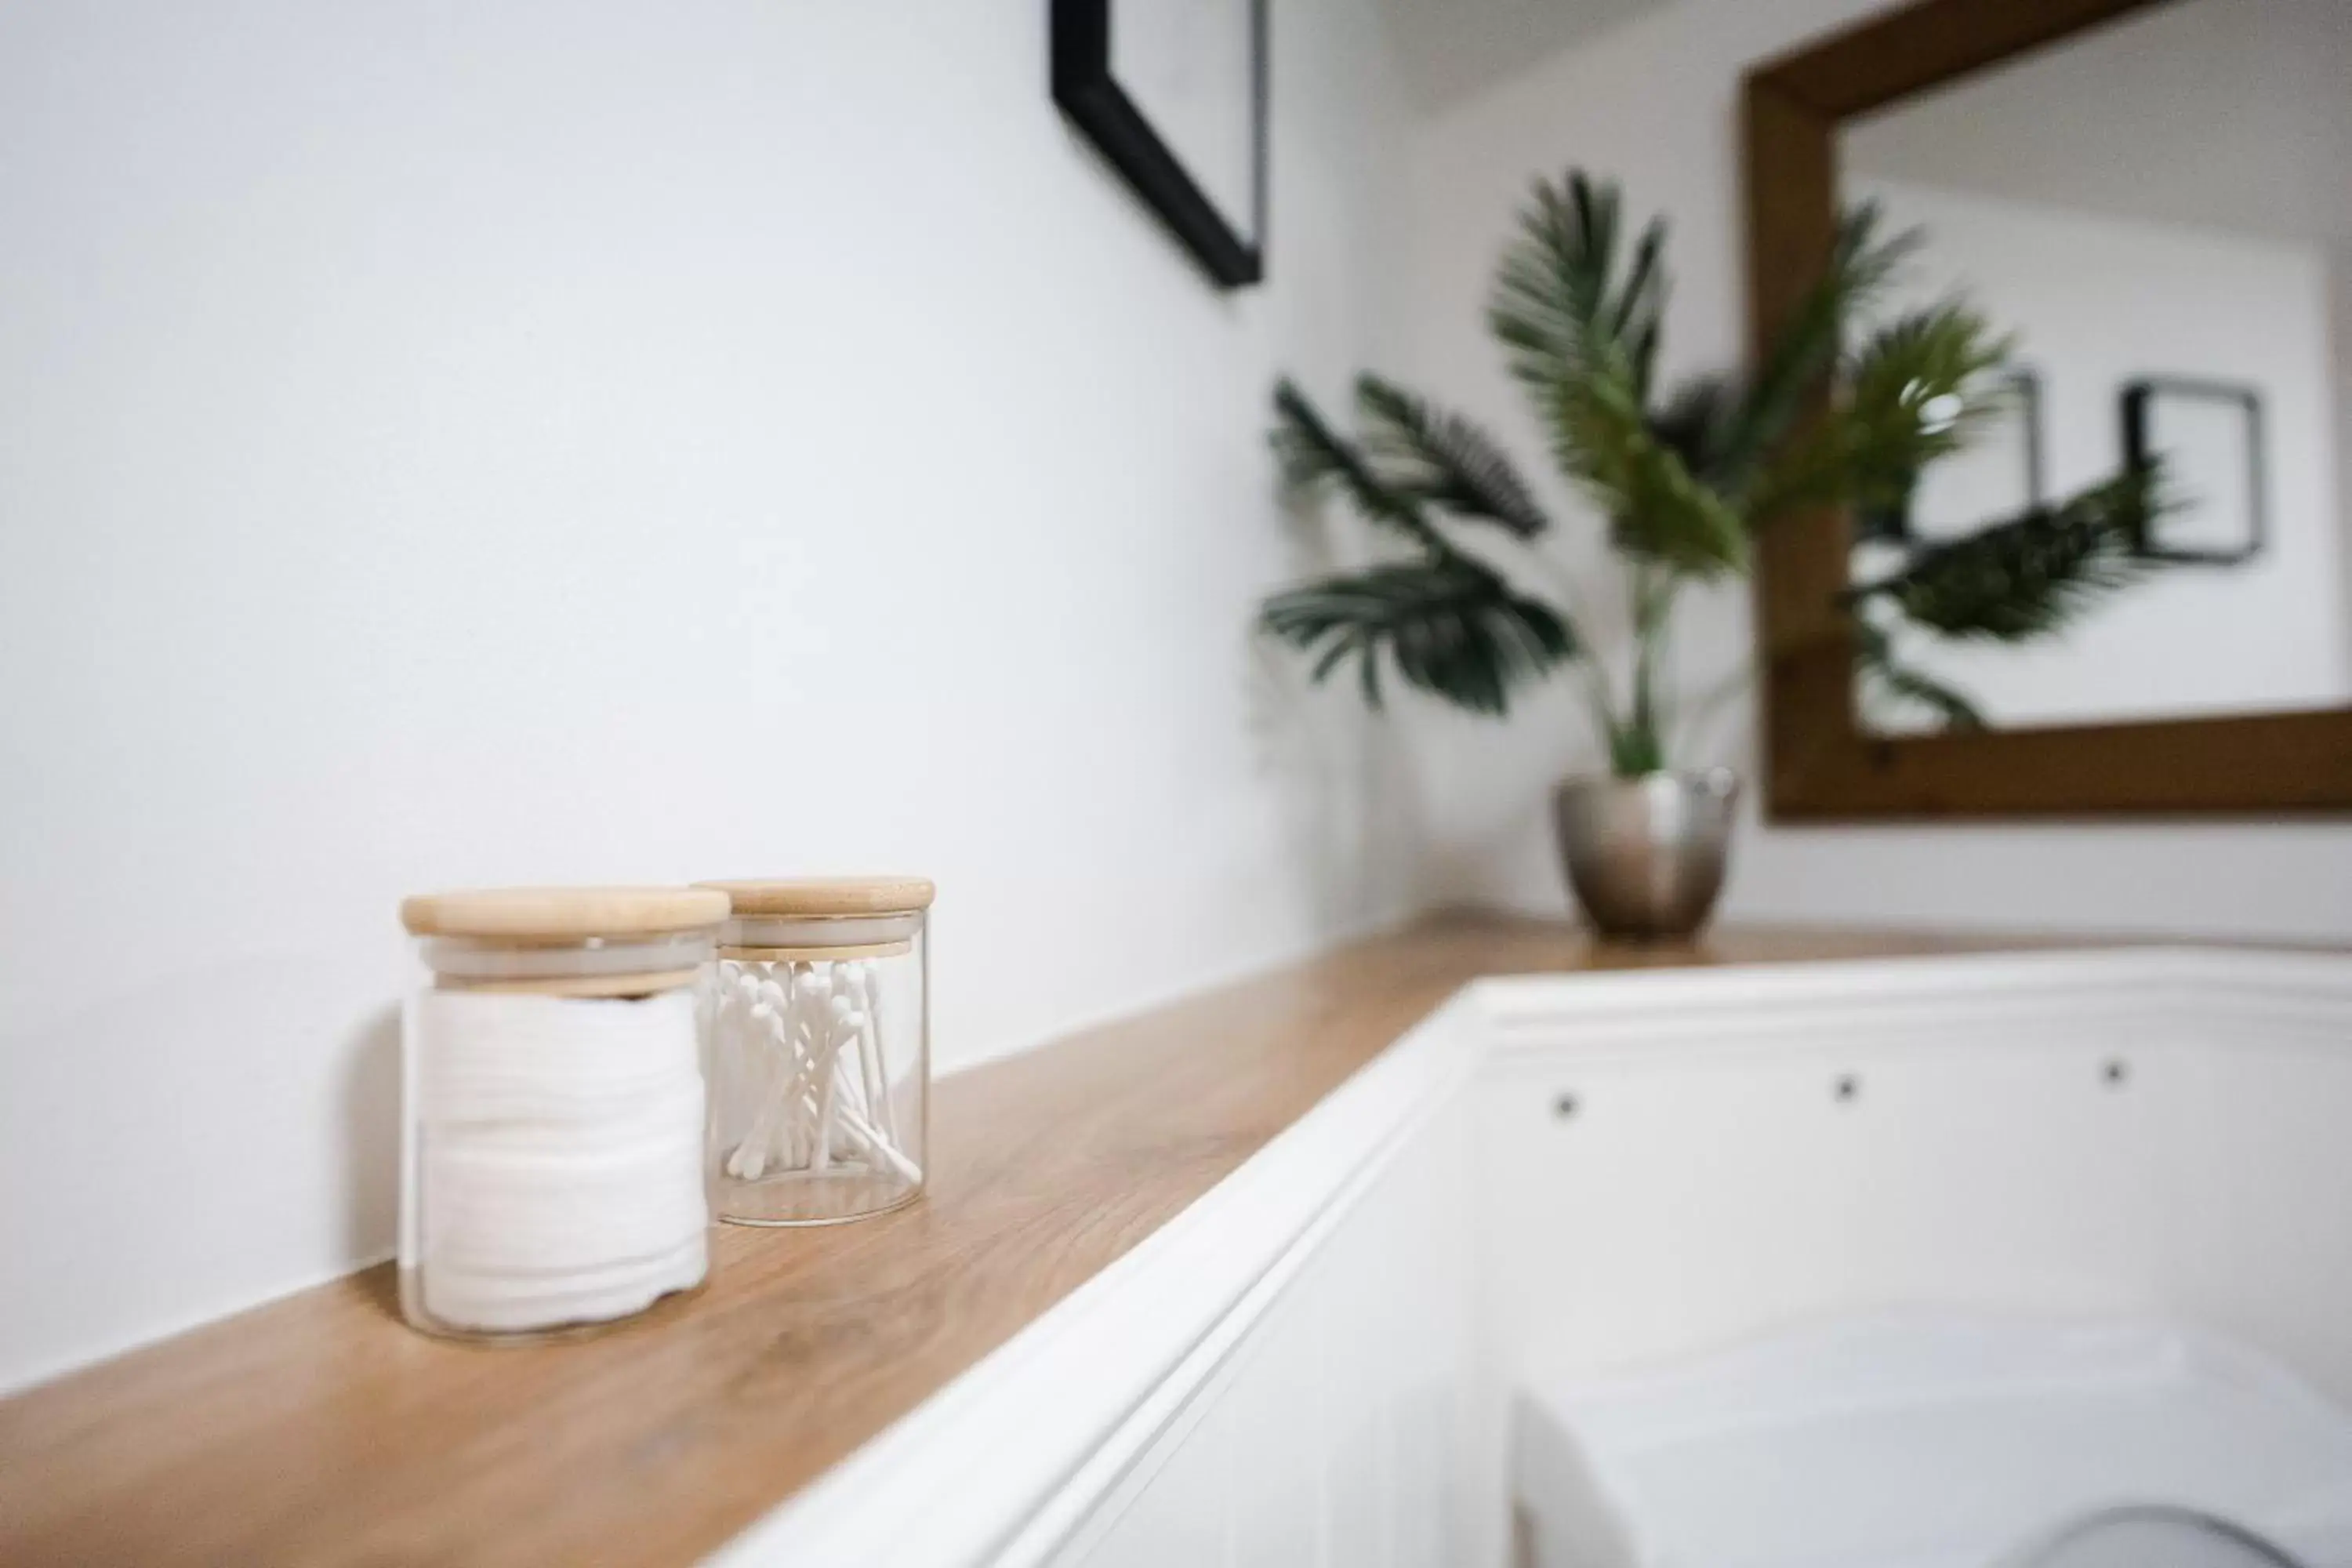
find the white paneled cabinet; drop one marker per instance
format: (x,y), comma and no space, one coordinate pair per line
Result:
(1328,1435)
(1275,1422)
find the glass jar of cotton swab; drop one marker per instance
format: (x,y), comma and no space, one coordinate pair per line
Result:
(551,1155)
(820,1031)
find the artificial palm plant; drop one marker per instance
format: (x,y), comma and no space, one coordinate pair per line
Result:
(1686,476)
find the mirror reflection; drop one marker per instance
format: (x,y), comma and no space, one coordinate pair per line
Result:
(2158,213)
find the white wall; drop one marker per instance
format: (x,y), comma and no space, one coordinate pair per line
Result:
(469,444)
(1449,50)
(1652,103)
(2095,303)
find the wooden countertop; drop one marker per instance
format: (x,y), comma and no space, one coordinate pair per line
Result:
(319,1431)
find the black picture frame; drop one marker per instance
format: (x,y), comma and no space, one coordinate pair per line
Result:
(2137,404)
(1086,90)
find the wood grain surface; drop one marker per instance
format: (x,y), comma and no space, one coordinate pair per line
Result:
(318,1430)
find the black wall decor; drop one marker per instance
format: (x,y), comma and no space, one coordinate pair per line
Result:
(2224,494)
(1228,237)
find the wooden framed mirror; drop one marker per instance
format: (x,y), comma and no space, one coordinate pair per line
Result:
(2226,686)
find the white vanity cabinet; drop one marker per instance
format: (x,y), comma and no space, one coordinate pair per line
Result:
(1331,1430)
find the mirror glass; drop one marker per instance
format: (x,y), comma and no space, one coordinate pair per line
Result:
(2158,211)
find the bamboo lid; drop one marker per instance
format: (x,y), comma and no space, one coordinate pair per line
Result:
(828,896)
(561,914)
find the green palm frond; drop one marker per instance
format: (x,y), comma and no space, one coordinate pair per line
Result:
(1862,263)
(1695,422)
(1581,333)
(1920,388)
(1560,300)
(1451,626)
(1443,459)
(1638,321)
(1916,391)
(2034,575)
(1314,455)
(1885,680)
(1657,511)
(1560,305)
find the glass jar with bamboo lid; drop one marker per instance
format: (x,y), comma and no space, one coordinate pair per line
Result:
(820,1018)
(551,1169)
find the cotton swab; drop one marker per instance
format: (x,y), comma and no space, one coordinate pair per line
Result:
(787,1032)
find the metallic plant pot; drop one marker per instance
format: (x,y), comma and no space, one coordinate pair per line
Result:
(1645,855)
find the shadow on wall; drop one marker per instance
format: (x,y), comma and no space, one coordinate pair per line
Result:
(1348,813)
(370,1103)
(249,1217)
(1351,816)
